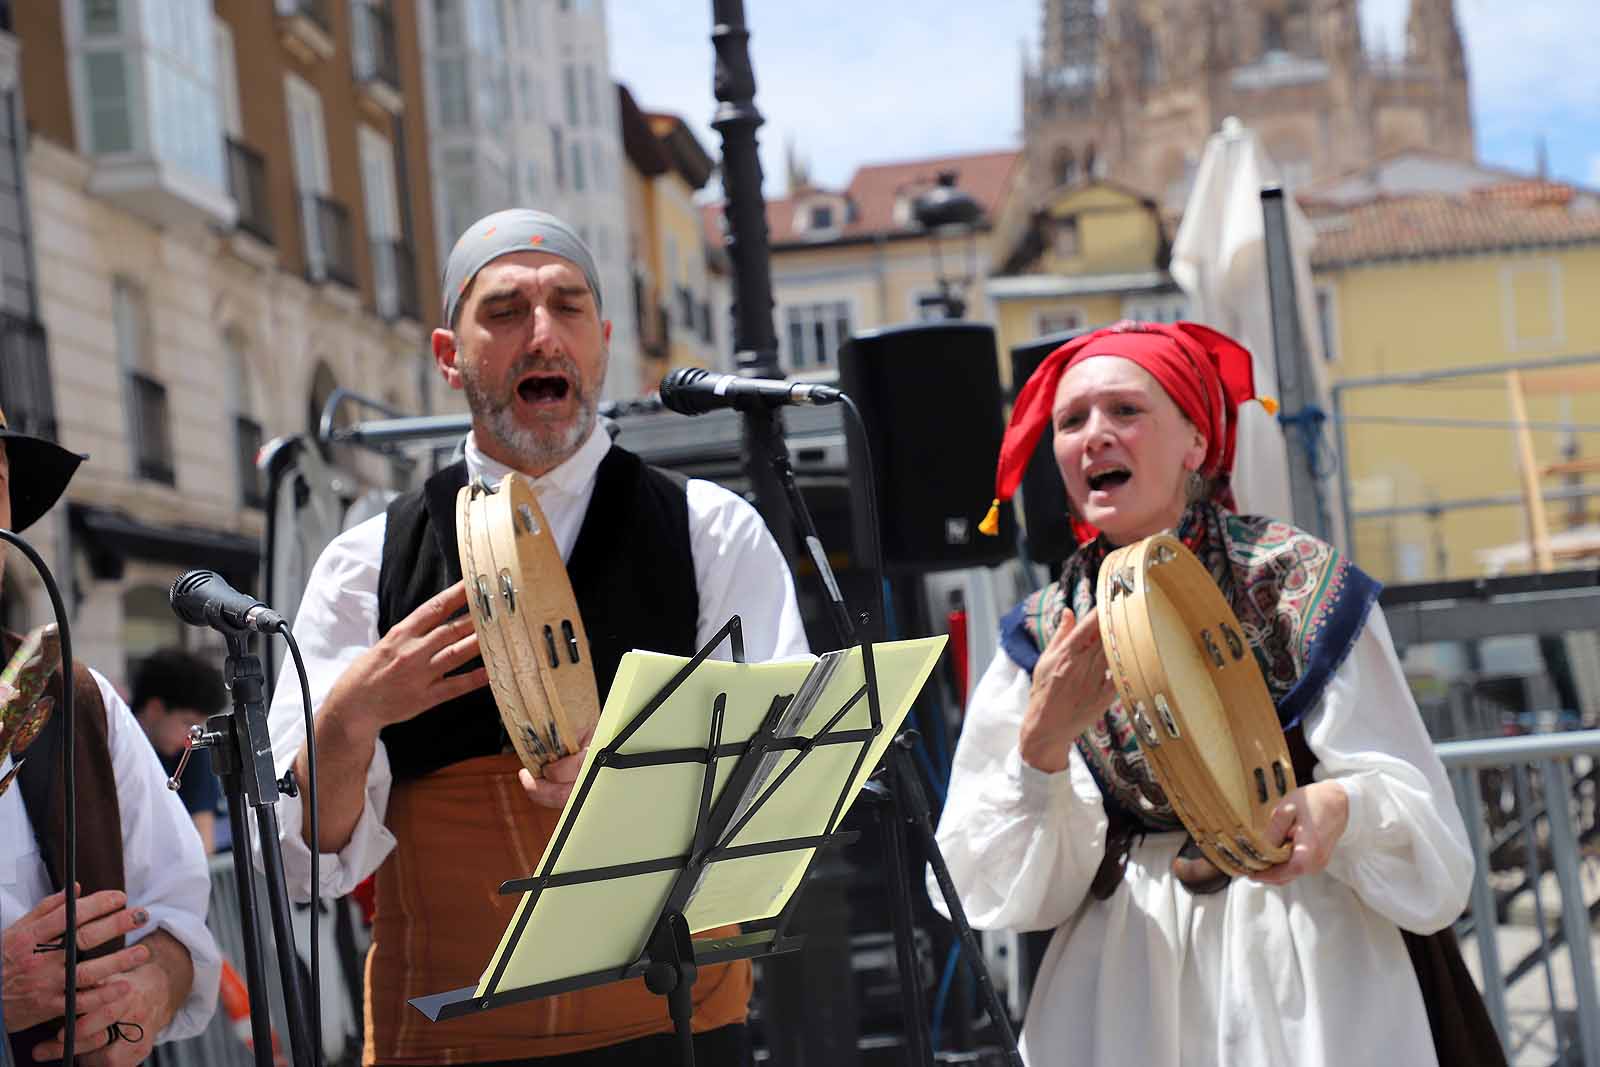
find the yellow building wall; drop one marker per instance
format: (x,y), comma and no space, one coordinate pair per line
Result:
(1117,233)
(1426,315)
(679,226)
(1017,321)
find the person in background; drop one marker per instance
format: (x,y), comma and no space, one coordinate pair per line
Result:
(174,690)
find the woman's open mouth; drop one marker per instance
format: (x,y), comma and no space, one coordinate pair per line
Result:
(1108,478)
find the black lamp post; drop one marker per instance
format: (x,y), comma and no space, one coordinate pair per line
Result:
(948,214)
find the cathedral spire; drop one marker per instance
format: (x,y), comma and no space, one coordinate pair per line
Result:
(1433,38)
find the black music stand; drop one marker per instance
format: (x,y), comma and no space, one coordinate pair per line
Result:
(668,959)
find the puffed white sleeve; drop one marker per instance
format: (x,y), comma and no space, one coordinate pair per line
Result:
(739,569)
(337,621)
(1404,850)
(1022,844)
(163,862)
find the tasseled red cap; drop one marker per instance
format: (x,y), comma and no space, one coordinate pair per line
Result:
(1208,375)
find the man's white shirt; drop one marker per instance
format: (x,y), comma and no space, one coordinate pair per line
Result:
(164,863)
(738,570)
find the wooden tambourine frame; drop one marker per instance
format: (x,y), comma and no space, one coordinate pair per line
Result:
(1199,705)
(529,630)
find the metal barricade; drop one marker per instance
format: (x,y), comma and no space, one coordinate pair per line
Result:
(223,1042)
(1524,800)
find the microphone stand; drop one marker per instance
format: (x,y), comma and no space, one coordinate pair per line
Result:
(241,756)
(900,801)
(69,859)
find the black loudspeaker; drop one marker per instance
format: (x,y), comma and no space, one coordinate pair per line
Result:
(929,395)
(1044,497)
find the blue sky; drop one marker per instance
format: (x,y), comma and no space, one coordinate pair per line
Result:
(878,80)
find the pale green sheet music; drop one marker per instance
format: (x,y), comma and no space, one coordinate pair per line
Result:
(649,812)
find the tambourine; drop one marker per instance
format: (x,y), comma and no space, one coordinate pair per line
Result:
(1199,705)
(529,630)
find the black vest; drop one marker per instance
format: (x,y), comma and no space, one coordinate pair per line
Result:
(632,572)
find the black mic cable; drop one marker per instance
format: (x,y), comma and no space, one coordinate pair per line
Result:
(316,839)
(69,861)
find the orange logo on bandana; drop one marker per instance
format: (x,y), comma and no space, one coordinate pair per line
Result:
(536,239)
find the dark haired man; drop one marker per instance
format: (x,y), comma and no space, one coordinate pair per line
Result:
(174,690)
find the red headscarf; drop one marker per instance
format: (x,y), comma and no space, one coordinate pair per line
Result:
(1208,375)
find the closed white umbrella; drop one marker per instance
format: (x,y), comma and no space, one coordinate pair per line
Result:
(1219,259)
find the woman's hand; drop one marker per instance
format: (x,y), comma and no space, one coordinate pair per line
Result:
(1311,819)
(1071,688)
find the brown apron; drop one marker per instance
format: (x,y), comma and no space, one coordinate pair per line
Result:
(461,831)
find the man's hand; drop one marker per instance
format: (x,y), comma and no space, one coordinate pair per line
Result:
(1071,689)
(1311,819)
(396,679)
(121,1031)
(36,982)
(551,787)
(407,672)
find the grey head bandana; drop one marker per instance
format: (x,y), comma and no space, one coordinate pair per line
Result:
(513,230)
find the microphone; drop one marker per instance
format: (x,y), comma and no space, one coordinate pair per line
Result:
(202,598)
(695,390)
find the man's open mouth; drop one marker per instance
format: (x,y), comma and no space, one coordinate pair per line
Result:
(544,388)
(1109,478)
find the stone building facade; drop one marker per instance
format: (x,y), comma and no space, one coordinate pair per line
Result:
(221,214)
(1128,90)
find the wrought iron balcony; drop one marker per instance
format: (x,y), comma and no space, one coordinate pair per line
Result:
(152,431)
(247,181)
(330,240)
(394,273)
(25,393)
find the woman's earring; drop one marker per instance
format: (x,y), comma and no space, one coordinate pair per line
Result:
(1195,486)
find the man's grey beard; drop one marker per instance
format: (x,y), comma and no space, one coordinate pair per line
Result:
(535,447)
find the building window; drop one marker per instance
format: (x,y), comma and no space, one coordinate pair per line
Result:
(452,95)
(149,83)
(1167,308)
(1066,167)
(25,393)
(146,396)
(569,87)
(577,167)
(821,217)
(558,155)
(1067,243)
(247,433)
(590,97)
(393,272)
(1531,305)
(814,333)
(1059,321)
(447,23)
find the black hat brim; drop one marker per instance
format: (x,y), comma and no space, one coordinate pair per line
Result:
(40,471)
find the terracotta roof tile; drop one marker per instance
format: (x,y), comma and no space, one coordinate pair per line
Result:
(1514,215)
